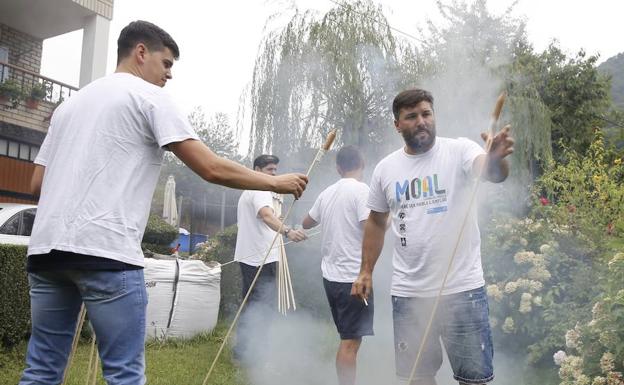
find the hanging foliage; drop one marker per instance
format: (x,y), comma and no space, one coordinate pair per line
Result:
(316,74)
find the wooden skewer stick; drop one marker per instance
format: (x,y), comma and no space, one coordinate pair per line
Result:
(92,365)
(500,101)
(81,318)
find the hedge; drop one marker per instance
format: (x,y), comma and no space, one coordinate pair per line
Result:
(158,235)
(221,249)
(14,298)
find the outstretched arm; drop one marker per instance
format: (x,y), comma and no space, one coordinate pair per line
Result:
(205,163)
(268,216)
(374,231)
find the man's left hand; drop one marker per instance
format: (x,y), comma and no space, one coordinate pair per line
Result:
(502,143)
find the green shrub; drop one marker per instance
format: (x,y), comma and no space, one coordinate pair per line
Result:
(158,235)
(11,90)
(38,91)
(221,248)
(595,349)
(15,300)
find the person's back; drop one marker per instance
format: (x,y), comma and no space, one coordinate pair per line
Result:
(341,209)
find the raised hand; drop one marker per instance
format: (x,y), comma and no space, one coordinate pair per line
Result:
(502,143)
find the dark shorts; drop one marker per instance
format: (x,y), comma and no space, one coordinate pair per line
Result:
(352,317)
(461,323)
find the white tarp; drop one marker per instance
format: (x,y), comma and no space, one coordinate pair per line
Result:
(183,297)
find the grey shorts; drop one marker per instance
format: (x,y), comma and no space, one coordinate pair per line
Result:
(461,323)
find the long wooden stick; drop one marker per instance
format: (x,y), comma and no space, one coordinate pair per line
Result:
(90,367)
(317,159)
(70,359)
(492,130)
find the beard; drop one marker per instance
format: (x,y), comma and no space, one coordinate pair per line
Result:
(419,142)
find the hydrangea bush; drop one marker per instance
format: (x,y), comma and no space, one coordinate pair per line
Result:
(546,271)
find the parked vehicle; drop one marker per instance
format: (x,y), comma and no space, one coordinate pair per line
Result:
(16,222)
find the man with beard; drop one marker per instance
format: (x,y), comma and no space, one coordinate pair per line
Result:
(427,186)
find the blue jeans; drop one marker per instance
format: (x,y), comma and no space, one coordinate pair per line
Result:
(461,322)
(116,303)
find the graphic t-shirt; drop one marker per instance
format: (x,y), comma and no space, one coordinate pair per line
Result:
(340,209)
(102,157)
(428,196)
(254,237)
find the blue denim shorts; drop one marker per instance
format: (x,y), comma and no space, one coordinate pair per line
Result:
(461,323)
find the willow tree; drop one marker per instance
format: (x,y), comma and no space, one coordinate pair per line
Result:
(339,70)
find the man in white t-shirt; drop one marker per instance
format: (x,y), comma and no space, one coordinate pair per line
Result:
(257,226)
(96,173)
(341,210)
(426,187)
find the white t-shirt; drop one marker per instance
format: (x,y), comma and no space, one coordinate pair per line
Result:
(102,157)
(254,237)
(340,209)
(428,196)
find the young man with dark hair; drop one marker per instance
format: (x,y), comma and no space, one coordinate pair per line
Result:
(258,221)
(341,210)
(426,187)
(96,173)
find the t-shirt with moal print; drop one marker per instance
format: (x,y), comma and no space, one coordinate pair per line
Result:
(428,197)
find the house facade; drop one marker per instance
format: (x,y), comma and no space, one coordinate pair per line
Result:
(28,97)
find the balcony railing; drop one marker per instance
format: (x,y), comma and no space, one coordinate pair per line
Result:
(55,91)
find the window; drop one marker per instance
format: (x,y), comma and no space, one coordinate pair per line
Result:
(18,150)
(28,218)
(11,227)
(4,57)
(24,151)
(13,149)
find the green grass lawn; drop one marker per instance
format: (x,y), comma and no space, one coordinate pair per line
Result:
(173,362)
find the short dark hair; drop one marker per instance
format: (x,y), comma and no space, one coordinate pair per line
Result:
(410,98)
(349,158)
(154,38)
(264,160)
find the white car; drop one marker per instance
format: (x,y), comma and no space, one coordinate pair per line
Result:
(16,222)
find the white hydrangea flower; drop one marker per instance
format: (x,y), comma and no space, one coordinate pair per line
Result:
(535,286)
(511,287)
(607,362)
(572,338)
(599,380)
(559,357)
(525,303)
(539,272)
(582,380)
(508,325)
(494,292)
